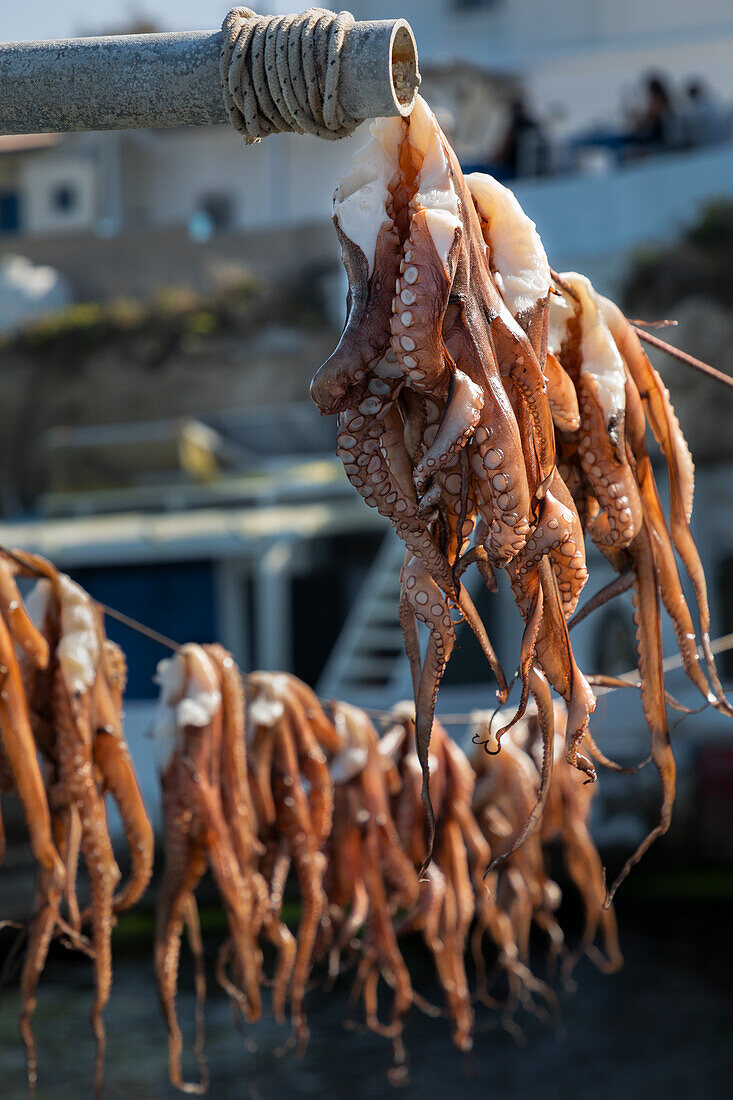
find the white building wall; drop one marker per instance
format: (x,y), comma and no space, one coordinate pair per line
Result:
(577,55)
(286,179)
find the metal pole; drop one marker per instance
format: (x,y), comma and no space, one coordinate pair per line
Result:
(160,80)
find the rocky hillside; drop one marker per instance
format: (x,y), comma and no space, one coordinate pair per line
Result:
(182,354)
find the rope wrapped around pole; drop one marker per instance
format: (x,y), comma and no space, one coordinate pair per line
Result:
(312,73)
(281,73)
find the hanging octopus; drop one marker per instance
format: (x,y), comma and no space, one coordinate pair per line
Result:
(497,417)
(507,786)
(444,420)
(209,822)
(73,701)
(452,888)
(288,735)
(368,874)
(613,477)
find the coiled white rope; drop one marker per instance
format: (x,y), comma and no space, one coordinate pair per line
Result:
(281,73)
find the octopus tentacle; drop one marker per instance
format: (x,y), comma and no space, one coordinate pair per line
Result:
(561,395)
(669,581)
(422,291)
(546,715)
(20,750)
(462,414)
(184,867)
(112,758)
(76,778)
(366,335)
(42,930)
(649,637)
(312,760)
(425,601)
(25,634)
(680,469)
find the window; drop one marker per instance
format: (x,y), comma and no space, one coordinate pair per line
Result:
(218,209)
(63,198)
(9,212)
(175,598)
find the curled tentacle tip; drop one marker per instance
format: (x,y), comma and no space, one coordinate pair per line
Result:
(493,866)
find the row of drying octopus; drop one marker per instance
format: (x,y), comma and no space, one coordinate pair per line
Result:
(496,413)
(62,750)
(258,778)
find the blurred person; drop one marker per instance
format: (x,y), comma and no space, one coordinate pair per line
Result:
(704,117)
(654,124)
(523,149)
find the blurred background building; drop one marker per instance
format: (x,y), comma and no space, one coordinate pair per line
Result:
(165,297)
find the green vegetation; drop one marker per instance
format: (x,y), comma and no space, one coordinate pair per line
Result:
(174,315)
(695,266)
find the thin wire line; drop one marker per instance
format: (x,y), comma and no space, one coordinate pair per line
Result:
(684,357)
(666,323)
(120,616)
(719,645)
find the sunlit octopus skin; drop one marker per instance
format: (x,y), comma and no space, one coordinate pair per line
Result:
(368,875)
(464,337)
(16,735)
(670,584)
(378,466)
(116,773)
(189,734)
(589,355)
(680,469)
(558,534)
(293,824)
(437,271)
(521,274)
(561,395)
(422,601)
(65,730)
(516,257)
(364,215)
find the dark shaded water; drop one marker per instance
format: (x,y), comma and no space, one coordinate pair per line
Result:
(663,1027)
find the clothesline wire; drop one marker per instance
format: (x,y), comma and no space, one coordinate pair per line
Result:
(120,616)
(719,645)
